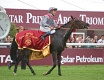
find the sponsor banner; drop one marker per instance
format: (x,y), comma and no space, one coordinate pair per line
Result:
(82,56)
(4,56)
(31,18)
(81,59)
(69,57)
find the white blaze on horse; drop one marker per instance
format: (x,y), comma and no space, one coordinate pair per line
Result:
(29,44)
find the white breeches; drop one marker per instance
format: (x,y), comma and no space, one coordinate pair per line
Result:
(46,29)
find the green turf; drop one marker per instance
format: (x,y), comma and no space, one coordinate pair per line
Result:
(82,72)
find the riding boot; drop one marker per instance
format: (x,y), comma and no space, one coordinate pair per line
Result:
(45,35)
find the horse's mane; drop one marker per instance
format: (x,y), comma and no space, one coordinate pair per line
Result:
(64,25)
(61,31)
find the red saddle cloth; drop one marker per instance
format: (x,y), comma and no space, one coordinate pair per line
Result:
(32,39)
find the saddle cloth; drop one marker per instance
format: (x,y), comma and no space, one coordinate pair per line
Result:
(31,39)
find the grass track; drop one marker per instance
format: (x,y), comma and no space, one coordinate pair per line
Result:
(81,72)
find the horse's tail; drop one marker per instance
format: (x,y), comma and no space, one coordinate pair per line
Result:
(13,50)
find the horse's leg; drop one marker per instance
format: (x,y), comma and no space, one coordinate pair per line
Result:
(59,64)
(27,54)
(19,58)
(54,56)
(13,53)
(11,64)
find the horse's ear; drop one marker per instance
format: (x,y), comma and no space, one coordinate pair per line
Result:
(72,17)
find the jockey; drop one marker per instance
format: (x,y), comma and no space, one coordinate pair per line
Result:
(47,24)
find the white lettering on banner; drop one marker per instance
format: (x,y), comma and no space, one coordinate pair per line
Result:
(62,20)
(88,59)
(2,58)
(37,19)
(16,18)
(67,59)
(33,19)
(5,59)
(80,59)
(92,20)
(29,16)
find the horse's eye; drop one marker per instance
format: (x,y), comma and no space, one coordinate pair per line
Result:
(83,26)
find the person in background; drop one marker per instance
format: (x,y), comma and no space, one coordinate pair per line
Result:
(72,40)
(8,39)
(79,40)
(101,40)
(68,46)
(21,28)
(95,39)
(88,40)
(47,24)
(23,62)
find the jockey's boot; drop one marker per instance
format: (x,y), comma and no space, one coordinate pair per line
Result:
(45,35)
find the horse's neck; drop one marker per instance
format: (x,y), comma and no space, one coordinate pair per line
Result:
(67,35)
(63,35)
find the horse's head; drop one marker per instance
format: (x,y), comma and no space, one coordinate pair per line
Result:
(77,24)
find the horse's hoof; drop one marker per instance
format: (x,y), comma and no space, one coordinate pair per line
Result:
(59,74)
(34,74)
(44,74)
(9,66)
(14,73)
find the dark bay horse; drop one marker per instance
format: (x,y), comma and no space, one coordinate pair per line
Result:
(58,43)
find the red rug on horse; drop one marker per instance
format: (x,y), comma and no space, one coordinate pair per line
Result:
(31,39)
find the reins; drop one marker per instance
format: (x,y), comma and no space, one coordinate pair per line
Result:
(66,28)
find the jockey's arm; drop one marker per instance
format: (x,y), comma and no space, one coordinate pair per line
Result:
(44,22)
(55,25)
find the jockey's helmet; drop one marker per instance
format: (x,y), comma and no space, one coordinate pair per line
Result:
(52,8)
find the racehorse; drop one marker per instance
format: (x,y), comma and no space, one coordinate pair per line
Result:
(58,44)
